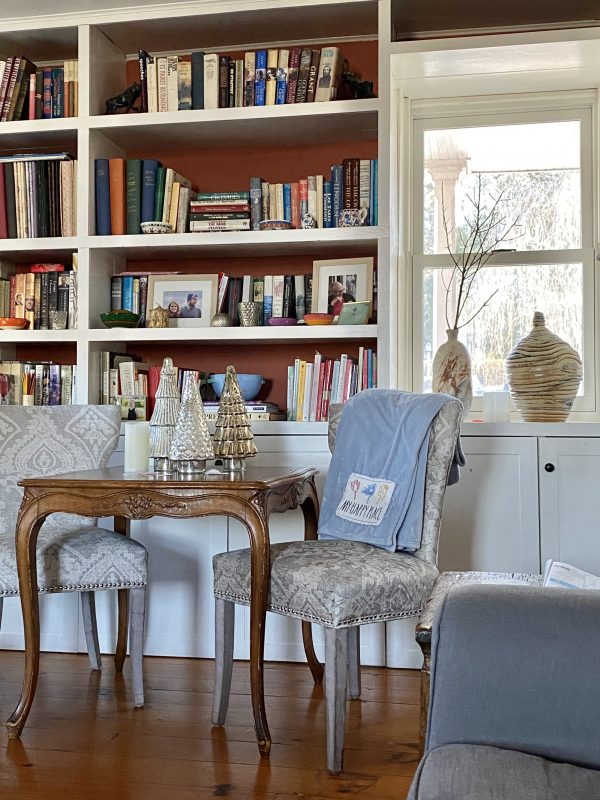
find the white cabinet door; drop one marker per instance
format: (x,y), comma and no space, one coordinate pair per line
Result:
(569,475)
(490,519)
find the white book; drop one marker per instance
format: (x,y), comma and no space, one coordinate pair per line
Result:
(312,414)
(330,71)
(211,80)
(197,226)
(183,210)
(246,282)
(279,213)
(364,184)
(152,84)
(278,285)
(290,393)
(319,182)
(172,83)
(161,73)
(312,197)
(127,377)
(307,392)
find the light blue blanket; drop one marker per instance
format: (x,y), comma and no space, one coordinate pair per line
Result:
(375,487)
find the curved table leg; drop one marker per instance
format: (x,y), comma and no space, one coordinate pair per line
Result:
(121,525)
(28,527)
(310,511)
(260,559)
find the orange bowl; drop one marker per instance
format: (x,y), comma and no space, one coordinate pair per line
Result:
(318,319)
(13,323)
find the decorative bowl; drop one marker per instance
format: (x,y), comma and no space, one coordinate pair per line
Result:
(282,321)
(318,319)
(275,225)
(13,323)
(249,384)
(156,227)
(120,319)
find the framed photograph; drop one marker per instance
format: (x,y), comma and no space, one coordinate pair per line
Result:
(191,300)
(341,280)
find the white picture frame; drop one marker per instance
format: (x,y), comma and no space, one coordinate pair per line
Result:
(190,299)
(355,275)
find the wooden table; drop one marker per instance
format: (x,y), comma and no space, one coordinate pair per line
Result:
(249,497)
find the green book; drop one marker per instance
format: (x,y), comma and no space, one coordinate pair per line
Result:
(159,196)
(134,195)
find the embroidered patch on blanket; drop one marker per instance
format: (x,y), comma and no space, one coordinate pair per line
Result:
(365,500)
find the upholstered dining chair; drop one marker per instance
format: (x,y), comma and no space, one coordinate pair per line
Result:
(73,553)
(340,584)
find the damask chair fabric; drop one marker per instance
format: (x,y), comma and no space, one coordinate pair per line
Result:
(73,553)
(340,584)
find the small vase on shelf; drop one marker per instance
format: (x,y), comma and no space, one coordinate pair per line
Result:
(451,370)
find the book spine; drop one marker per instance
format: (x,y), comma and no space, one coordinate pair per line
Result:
(374,193)
(143,306)
(282,77)
(116,293)
(39,92)
(58,92)
(198,79)
(308,293)
(258,297)
(6,73)
(364,185)
(183,210)
(152,84)
(330,71)
(134,194)
(264,206)
(239,83)
(303,195)
(172,83)
(319,185)
(219,225)
(327,205)
(355,182)
(184,83)
(231,84)
(31,97)
(337,193)
(52,291)
(62,301)
(287,202)
(292,78)
(103,199)
(312,197)
(127,293)
(198,216)
(288,296)
(44,301)
(66,395)
(47,93)
(216,197)
(12,90)
(161,78)
(3,209)
(260,78)
(268,299)
(116,172)
(299,298)
(311,86)
(279,213)
(295,201)
(149,169)
(271,79)
(255,203)
(211,80)
(142,64)
(223,81)
(278,288)
(303,73)
(249,77)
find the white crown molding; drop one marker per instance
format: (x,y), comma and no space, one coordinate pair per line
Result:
(179,8)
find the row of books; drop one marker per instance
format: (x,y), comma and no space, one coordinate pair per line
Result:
(31,92)
(45,288)
(132,191)
(262,77)
(37,195)
(257,410)
(313,386)
(276,295)
(37,383)
(129,292)
(5,309)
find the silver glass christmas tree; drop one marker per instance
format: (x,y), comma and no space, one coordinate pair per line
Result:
(164,417)
(191,445)
(233,440)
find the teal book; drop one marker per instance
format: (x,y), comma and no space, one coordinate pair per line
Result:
(149,170)
(134,195)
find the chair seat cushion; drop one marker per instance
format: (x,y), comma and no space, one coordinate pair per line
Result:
(334,583)
(478,772)
(85,558)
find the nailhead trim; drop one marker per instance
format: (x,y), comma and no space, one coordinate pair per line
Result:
(81,588)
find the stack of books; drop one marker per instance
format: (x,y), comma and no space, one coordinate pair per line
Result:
(37,383)
(45,288)
(220,211)
(313,386)
(256,410)
(262,77)
(122,374)
(132,191)
(38,195)
(31,92)
(277,295)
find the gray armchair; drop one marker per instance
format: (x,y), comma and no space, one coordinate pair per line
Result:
(514,703)
(73,553)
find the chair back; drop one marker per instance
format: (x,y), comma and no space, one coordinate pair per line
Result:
(48,440)
(445,430)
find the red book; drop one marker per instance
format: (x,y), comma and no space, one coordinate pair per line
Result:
(293,64)
(296,221)
(326,389)
(47,93)
(47,268)
(322,367)
(12,287)
(3,216)
(116,177)
(201,208)
(31,96)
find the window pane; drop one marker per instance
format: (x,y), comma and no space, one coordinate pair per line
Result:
(554,289)
(534,169)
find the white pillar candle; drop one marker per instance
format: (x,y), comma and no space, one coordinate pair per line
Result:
(496,407)
(137,446)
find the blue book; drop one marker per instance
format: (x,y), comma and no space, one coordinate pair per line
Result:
(374,191)
(127,293)
(287,201)
(281,86)
(260,78)
(58,92)
(198,79)
(54,385)
(103,227)
(327,205)
(267,299)
(149,168)
(337,193)
(369,369)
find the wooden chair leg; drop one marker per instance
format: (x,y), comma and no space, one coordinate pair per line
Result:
(224,630)
(424,695)
(354,662)
(137,614)
(336,677)
(90,628)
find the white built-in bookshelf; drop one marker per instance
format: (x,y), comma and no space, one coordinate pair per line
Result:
(103,42)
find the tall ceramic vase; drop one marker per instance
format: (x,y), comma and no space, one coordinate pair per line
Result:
(451,370)
(544,373)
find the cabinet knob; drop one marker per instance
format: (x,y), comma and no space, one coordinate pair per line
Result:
(549,467)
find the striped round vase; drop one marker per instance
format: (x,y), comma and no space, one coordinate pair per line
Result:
(544,373)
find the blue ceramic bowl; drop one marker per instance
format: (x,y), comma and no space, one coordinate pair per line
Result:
(249,384)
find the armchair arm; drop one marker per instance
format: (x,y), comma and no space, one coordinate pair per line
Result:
(517,667)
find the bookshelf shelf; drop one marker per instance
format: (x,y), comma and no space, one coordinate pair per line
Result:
(51,247)
(329,241)
(36,337)
(296,333)
(336,121)
(39,134)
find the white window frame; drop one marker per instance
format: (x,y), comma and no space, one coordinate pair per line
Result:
(579,106)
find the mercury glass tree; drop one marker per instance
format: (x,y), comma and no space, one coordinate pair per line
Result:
(233,440)
(164,417)
(191,445)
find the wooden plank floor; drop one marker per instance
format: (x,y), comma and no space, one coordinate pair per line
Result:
(84,741)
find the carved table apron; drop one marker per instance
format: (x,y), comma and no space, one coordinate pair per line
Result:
(249,497)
